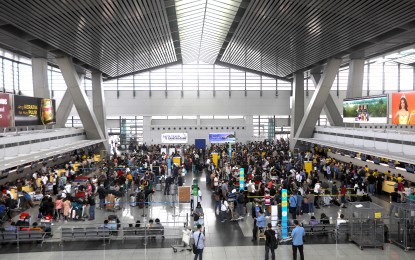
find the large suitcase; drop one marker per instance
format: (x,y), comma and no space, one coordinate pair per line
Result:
(133,200)
(158,187)
(109,202)
(173,190)
(117,203)
(141,199)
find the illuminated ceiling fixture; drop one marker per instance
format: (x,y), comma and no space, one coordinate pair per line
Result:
(203,27)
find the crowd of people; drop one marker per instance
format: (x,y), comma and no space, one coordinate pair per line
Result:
(269,167)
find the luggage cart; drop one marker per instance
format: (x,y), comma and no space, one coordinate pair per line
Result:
(187,234)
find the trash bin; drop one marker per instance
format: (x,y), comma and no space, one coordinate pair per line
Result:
(133,200)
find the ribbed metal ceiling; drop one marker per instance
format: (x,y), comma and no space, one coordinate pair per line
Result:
(203,26)
(114,36)
(281,37)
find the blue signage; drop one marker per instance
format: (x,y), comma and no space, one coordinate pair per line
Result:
(222,138)
(284,209)
(169,165)
(241,179)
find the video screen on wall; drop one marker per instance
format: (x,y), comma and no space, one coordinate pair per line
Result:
(403,108)
(371,109)
(5,110)
(222,137)
(33,111)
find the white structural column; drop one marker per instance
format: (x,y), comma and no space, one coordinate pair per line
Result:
(330,108)
(355,80)
(40,78)
(249,124)
(317,102)
(98,101)
(81,102)
(64,109)
(297,110)
(147,137)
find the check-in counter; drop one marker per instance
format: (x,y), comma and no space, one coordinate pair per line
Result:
(388,186)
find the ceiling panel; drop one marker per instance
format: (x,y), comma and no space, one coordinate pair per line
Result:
(203,27)
(281,37)
(116,37)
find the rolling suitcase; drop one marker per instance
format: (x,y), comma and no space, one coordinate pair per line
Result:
(117,204)
(158,187)
(133,200)
(140,199)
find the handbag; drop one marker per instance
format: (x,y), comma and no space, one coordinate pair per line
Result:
(195,250)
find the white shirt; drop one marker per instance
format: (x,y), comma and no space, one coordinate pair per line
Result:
(45,179)
(11,194)
(68,188)
(215,181)
(317,188)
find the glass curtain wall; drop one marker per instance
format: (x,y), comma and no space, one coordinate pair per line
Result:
(379,77)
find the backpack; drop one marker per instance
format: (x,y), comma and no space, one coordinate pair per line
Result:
(274,240)
(241,199)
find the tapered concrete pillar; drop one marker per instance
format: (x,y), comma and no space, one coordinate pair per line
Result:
(64,109)
(297,110)
(317,101)
(98,100)
(330,109)
(40,78)
(355,80)
(81,102)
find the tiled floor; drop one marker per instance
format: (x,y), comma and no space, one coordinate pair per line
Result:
(311,252)
(224,240)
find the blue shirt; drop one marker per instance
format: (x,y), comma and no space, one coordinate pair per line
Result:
(261,221)
(201,243)
(293,201)
(297,234)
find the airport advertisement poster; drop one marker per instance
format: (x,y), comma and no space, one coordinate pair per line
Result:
(371,109)
(5,110)
(222,137)
(174,138)
(403,108)
(33,111)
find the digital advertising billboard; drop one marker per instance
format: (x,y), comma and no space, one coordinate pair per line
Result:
(222,137)
(371,109)
(403,108)
(33,111)
(5,110)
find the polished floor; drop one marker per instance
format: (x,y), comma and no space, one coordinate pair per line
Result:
(311,252)
(229,240)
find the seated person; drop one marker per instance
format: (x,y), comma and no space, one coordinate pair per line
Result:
(261,221)
(106,224)
(45,229)
(340,220)
(324,219)
(159,226)
(12,227)
(137,224)
(198,212)
(313,221)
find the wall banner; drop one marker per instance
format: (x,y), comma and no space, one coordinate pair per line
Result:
(174,138)
(5,110)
